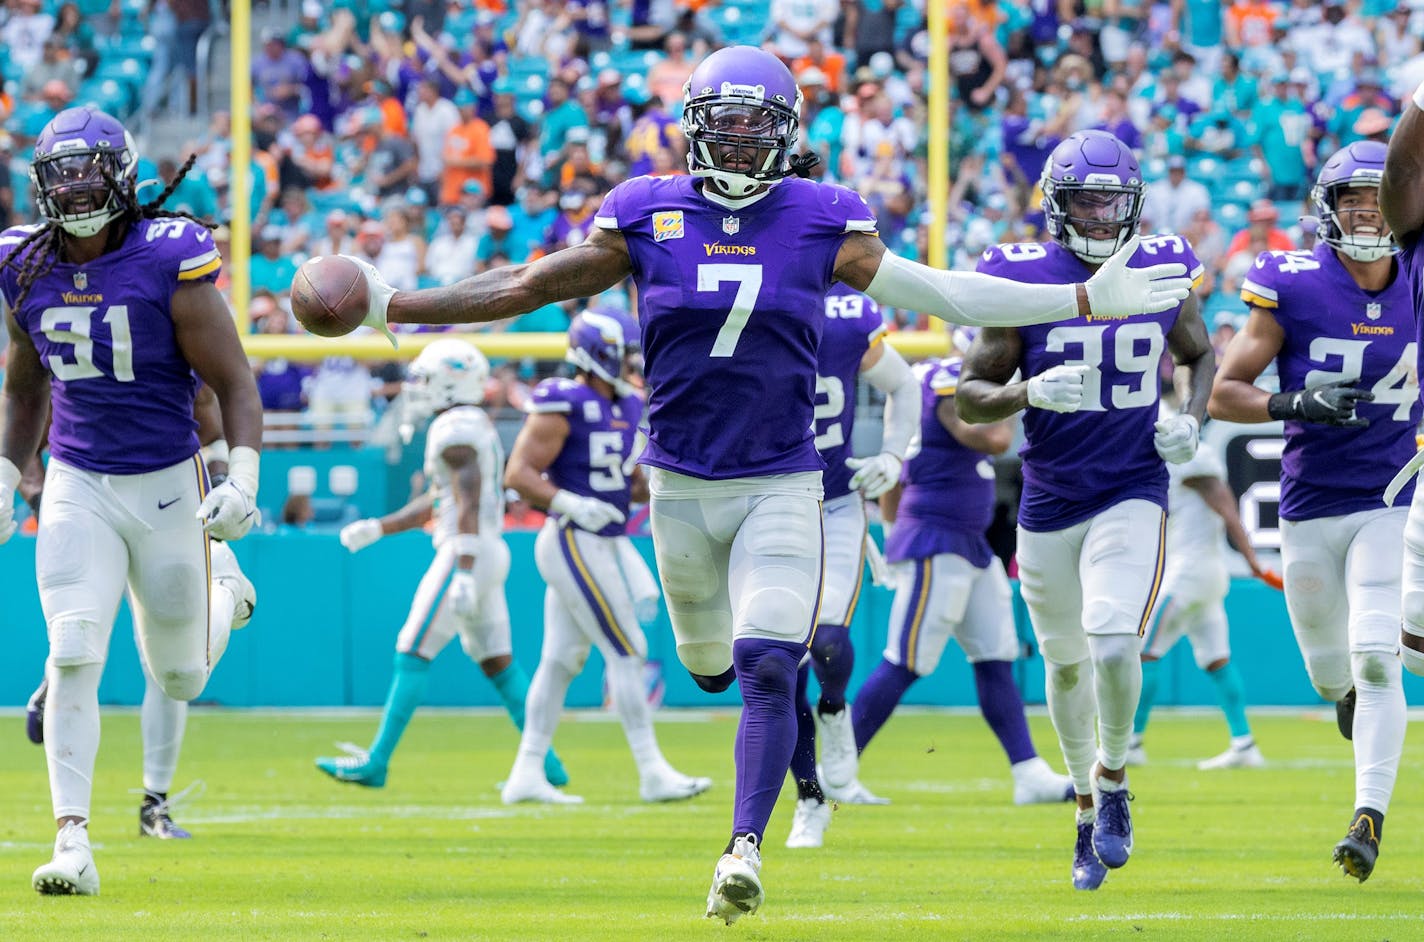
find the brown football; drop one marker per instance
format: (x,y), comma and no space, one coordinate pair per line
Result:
(329,295)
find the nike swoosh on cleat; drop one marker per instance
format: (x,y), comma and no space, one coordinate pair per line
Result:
(81,870)
(164,505)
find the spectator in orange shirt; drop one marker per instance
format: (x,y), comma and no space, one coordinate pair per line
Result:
(831,63)
(1261,230)
(666,78)
(393,118)
(1248,23)
(469,153)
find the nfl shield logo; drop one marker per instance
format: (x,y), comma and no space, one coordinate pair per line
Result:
(1373,311)
(731,225)
(81,281)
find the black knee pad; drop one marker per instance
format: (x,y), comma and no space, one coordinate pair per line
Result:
(718,683)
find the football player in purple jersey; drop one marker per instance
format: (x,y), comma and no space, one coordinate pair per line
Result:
(949,583)
(569,458)
(1339,324)
(162,719)
(852,347)
(1094,503)
(731,264)
(112,310)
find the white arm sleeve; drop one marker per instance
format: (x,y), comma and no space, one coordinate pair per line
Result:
(892,376)
(968,297)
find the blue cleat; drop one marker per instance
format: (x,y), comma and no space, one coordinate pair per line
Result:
(554,770)
(1088,871)
(355,767)
(154,819)
(1112,833)
(34,713)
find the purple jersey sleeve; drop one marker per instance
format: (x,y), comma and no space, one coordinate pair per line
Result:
(853,326)
(731,305)
(1078,464)
(948,498)
(1336,331)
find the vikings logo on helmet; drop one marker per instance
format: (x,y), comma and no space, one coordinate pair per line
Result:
(741,115)
(1358,164)
(600,340)
(83,170)
(1092,194)
(447,373)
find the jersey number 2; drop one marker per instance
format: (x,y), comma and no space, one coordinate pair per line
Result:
(748,279)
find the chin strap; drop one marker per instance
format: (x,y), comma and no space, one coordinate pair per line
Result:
(803,164)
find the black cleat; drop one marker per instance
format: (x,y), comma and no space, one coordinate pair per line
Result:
(34,713)
(1356,854)
(1345,714)
(154,821)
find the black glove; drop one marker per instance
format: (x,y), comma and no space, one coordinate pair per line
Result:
(1330,404)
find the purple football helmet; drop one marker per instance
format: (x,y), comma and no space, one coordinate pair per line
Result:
(1360,164)
(1091,183)
(600,340)
(72,155)
(741,115)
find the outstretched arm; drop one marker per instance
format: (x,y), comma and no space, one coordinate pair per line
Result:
(580,271)
(985,393)
(971,298)
(1402,189)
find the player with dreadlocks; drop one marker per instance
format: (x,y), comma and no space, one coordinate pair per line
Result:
(113,316)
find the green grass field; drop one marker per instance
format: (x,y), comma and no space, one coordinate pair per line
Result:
(283,853)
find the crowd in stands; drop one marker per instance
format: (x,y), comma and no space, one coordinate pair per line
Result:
(441,139)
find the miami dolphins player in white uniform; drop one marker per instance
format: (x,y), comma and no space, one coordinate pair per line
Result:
(1093,511)
(1339,325)
(1201,516)
(569,458)
(731,263)
(463,590)
(852,347)
(113,316)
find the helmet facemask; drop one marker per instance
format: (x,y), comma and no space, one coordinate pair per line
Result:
(738,139)
(77,188)
(1341,226)
(1093,221)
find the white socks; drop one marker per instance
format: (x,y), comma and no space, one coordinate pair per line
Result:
(625,684)
(1380,720)
(1118,665)
(1073,708)
(72,737)
(162,720)
(542,706)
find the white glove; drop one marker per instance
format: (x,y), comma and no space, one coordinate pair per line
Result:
(1118,291)
(361,534)
(876,475)
(1058,388)
(9,480)
(587,513)
(228,511)
(380,293)
(1176,438)
(462,595)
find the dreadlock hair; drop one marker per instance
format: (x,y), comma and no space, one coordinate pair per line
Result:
(41,249)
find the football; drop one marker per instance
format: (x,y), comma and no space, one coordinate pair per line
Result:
(329,295)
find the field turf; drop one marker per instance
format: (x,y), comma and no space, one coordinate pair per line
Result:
(283,853)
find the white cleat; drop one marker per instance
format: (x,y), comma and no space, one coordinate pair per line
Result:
(72,871)
(1035,783)
(669,784)
(228,574)
(840,762)
(535,788)
(853,793)
(1248,757)
(1137,754)
(808,827)
(736,883)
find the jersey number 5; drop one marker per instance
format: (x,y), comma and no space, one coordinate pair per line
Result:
(710,277)
(74,326)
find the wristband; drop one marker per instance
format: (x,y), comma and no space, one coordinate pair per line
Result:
(9,477)
(217,451)
(1419,97)
(243,468)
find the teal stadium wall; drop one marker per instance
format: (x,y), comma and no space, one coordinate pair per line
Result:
(327,620)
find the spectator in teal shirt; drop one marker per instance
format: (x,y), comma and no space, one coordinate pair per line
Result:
(1280,124)
(500,239)
(1201,27)
(270,267)
(563,115)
